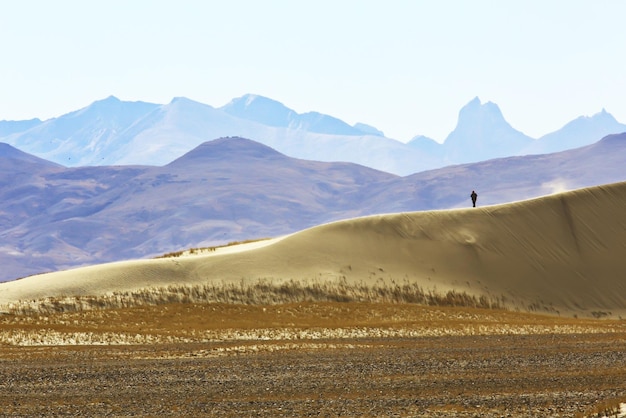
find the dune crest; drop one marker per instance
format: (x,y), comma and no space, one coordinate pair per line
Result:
(562,253)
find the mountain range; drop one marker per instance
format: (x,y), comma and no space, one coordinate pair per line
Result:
(114,132)
(55,217)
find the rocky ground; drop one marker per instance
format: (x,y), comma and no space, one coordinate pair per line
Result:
(518,375)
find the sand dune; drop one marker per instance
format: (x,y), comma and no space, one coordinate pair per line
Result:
(565,252)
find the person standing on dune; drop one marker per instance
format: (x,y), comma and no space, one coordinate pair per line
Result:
(474,196)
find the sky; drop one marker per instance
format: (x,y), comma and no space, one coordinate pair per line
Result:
(405,67)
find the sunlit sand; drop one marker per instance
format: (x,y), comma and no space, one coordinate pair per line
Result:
(562,254)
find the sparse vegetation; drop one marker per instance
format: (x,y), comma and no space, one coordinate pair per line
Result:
(200,250)
(605,409)
(260,292)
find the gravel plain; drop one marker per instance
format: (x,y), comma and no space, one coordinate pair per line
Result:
(517,376)
(507,375)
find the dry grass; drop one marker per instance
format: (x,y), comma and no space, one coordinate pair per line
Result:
(605,409)
(194,322)
(201,250)
(260,292)
(264,310)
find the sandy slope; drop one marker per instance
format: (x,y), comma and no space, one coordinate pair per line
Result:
(565,252)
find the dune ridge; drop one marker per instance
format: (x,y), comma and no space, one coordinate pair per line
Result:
(562,253)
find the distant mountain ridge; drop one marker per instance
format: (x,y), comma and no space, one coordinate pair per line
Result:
(53,217)
(484,121)
(115,132)
(82,137)
(272,113)
(577,133)
(8,127)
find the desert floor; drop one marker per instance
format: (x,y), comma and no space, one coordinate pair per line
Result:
(309,359)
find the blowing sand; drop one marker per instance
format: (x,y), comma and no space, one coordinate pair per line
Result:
(564,253)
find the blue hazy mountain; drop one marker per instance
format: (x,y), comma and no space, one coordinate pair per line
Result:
(114,132)
(428,145)
(482,133)
(82,137)
(272,113)
(111,132)
(581,131)
(368,129)
(9,127)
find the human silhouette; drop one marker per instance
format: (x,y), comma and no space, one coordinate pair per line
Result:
(474,196)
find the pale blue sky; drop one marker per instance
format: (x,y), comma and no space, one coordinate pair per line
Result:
(405,67)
